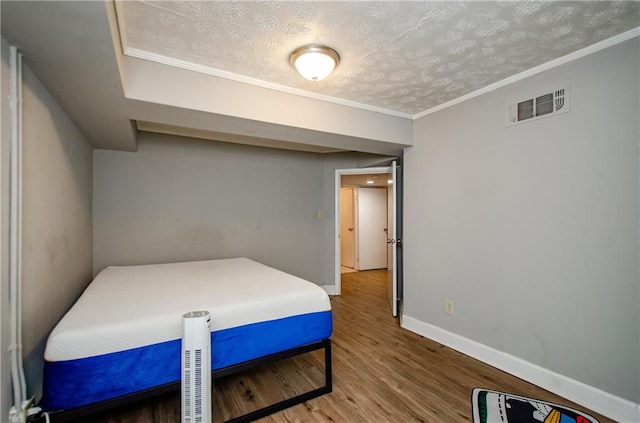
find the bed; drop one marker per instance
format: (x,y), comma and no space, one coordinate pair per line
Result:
(121,341)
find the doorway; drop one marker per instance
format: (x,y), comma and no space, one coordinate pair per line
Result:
(352,188)
(363,228)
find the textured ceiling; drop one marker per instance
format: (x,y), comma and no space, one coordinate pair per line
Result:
(405,57)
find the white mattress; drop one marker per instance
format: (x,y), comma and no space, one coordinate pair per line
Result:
(133,306)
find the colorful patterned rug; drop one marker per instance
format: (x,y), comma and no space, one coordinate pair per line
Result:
(500,407)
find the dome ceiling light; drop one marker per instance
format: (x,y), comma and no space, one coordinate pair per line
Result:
(314,61)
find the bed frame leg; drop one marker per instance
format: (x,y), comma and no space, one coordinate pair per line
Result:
(298,399)
(328,370)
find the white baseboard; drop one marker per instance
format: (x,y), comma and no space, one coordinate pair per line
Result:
(330,289)
(609,405)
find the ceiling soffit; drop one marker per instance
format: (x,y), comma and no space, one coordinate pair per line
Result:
(161,128)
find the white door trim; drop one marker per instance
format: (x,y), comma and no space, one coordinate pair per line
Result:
(336,197)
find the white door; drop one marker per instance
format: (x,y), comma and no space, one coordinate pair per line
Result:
(392,252)
(347,228)
(371,225)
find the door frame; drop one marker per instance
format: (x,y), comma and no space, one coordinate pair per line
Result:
(336,232)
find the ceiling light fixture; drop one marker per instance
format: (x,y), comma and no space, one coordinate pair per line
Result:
(314,61)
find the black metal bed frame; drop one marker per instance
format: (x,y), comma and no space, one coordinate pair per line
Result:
(76,413)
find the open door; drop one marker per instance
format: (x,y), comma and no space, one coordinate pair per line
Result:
(392,241)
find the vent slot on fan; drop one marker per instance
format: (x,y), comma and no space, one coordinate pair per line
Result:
(552,103)
(198,381)
(186,376)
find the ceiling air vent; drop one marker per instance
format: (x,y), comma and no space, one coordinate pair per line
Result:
(549,104)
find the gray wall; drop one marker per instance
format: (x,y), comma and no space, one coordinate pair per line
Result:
(533,229)
(57,232)
(179,199)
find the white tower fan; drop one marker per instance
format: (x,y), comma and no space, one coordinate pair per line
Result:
(196,367)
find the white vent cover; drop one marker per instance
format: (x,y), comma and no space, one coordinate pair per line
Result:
(196,367)
(546,104)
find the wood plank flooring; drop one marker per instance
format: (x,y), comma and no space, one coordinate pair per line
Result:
(381,373)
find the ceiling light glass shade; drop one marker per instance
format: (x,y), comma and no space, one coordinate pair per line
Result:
(314,61)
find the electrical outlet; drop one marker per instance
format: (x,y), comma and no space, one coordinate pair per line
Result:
(448,307)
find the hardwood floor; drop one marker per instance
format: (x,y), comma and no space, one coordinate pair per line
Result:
(381,373)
